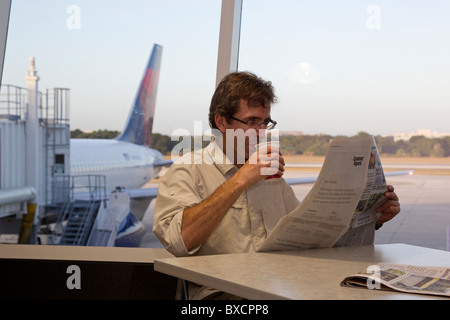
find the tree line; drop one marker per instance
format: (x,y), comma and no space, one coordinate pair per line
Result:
(97,134)
(418,146)
(314,145)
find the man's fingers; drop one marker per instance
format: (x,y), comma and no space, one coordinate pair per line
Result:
(389,206)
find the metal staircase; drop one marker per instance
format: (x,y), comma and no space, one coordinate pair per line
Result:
(78,218)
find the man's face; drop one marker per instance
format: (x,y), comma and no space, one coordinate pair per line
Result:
(241,135)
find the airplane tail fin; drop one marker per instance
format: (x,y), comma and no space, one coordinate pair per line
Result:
(138,128)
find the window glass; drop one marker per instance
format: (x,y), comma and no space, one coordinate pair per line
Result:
(381,67)
(340,67)
(99,50)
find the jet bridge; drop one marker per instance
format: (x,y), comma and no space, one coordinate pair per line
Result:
(34,152)
(36,189)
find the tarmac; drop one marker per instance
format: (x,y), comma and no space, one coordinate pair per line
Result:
(424,219)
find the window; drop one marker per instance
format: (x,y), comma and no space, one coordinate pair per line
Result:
(340,67)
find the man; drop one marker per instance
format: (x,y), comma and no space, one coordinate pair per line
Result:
(218,200)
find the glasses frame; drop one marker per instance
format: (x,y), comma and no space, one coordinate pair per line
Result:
(268,124)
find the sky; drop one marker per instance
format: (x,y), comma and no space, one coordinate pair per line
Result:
(338,66)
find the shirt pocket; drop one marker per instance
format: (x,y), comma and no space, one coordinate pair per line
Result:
(238,216)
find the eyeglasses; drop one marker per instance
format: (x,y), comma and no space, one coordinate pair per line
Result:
(253,123)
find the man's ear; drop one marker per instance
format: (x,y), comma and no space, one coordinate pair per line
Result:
(220,122)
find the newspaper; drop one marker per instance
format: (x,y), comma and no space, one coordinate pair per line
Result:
(405,278)
(340,207)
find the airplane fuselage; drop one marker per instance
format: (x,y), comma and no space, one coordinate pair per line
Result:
(123,164)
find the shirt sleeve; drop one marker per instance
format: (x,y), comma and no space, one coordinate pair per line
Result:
(177,191)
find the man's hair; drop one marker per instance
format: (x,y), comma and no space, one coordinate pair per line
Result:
(236,86)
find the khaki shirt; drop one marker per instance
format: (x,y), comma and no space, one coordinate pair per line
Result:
(246,224)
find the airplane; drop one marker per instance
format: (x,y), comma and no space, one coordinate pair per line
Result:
(126,162)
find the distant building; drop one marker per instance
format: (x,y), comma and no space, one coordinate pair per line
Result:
(422,132)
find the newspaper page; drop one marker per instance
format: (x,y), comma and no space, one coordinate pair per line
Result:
(404,278)
(347,192)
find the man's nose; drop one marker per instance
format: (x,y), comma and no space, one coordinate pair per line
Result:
(261,131)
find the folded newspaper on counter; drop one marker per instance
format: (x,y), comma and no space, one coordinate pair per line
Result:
(340,209)
(404,278)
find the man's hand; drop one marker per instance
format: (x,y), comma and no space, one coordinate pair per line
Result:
(390,208)
(200,221)
(261,164)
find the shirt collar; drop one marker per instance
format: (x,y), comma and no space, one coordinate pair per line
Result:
(218,158)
